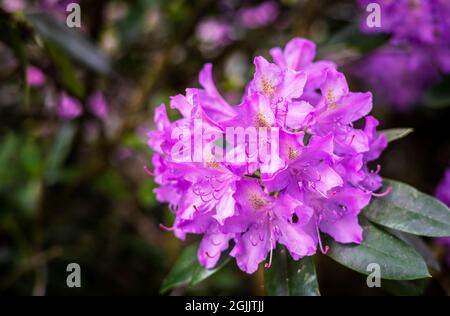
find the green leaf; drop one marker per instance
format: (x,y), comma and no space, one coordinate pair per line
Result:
(112,185)
(397,260)
(130,26)
(420,246)
(287,277)
(410,211)
(14,38)
(394,134)
(31,158)
(71,41)
(404,288)
(9,148)
(187,270)
(28,195)
(438,96)
(65,71)
(59,152)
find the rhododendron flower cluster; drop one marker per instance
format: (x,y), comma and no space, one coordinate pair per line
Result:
(319,180)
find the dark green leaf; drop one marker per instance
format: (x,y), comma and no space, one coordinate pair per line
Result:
(9,148)
(66,72)
(397,260)
(31,158)
(396,133)
(14,38)
(130,26)
(420,246)
(275,278)
(438,96)
(287,277)
(71,41)
(187,270)
(112,185)
(409,210)
(404,288)
(28,195)
(59,151)
(306,138)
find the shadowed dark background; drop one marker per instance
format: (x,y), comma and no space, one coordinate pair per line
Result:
(75,191)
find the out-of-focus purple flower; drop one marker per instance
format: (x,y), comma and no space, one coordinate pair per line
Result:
(59,5)
(50,6)
(215,31)
(316,181)
(98,106)
(404,19)
(443,194)
(35,77)
(399,75)
(57,8)
(259,15)
(418,50)
(68,108)
(12,5)
(443,189)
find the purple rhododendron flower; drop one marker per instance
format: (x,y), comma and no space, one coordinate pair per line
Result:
(259,15)
(316,178)
(98,106)
(410,73)
(443,189)
(418,50)
(12,5)
(214,31)
(35,77)
(68,108)
(443,194)
(418,26)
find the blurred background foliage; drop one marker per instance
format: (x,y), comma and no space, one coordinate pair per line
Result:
(75,190)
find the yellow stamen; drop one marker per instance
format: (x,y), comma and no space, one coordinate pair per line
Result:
(262,120)
(257,201)
(268,88)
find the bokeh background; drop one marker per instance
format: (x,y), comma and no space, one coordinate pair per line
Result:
(73,189)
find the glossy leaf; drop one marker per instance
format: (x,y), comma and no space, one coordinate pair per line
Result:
(397,260)
(71,41)
(404,288)
(420,246)
(59,152)
(66,73)
(14,38)
(187,270)
(287,277)
(408,210)
(394,134)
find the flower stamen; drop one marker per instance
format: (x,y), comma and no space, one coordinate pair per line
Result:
(388,190)
(148,171)
(166,228)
